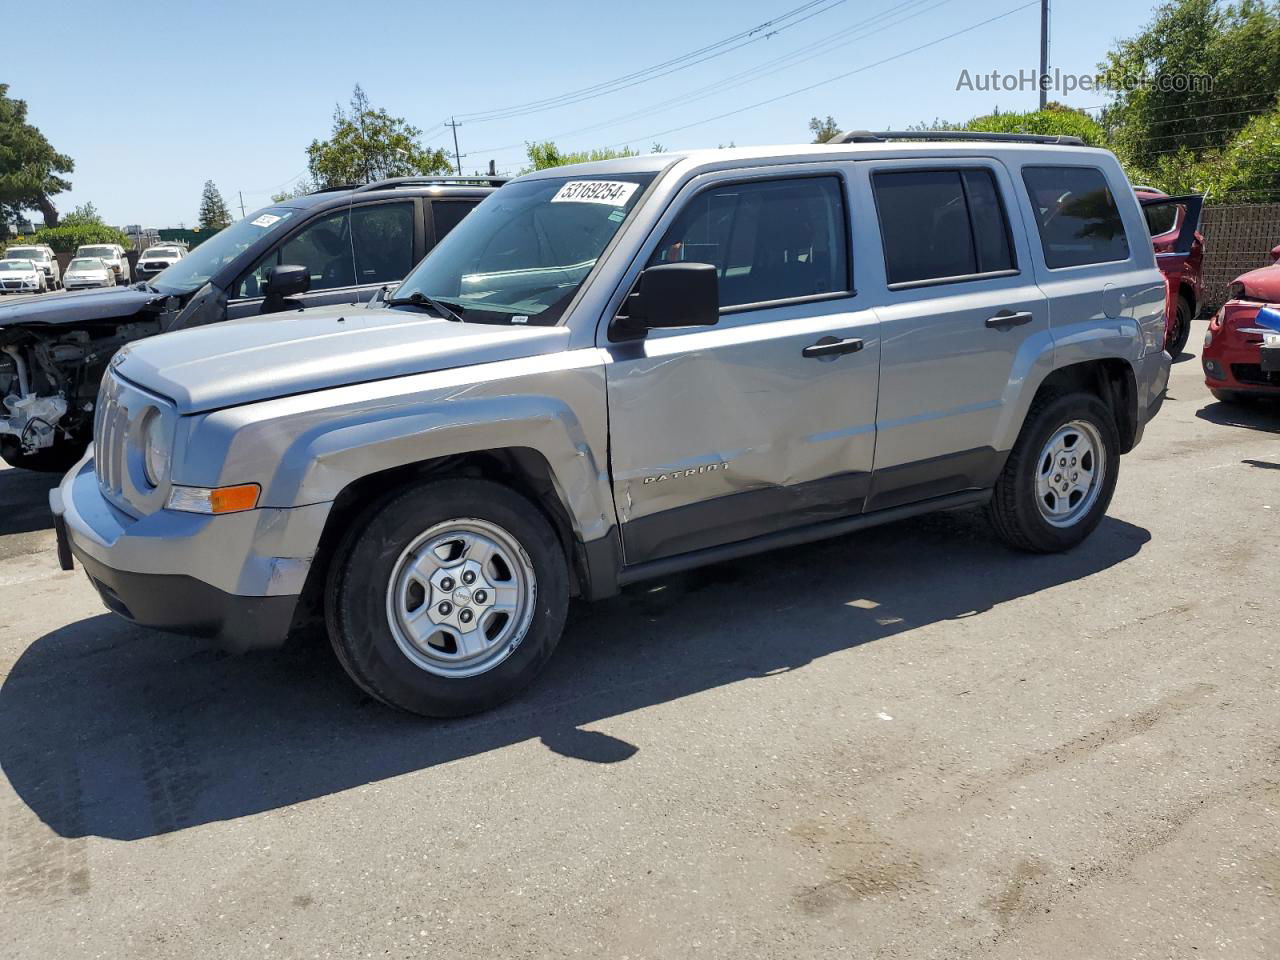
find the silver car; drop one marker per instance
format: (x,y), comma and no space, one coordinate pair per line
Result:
(85,273)
(112,254)
(620,370)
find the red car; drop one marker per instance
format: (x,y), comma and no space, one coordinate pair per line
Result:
(1232,355)
(1166,217)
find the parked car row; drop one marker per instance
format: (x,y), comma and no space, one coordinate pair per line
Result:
(605,373)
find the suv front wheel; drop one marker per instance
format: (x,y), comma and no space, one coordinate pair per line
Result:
(449,598)
(1059,478)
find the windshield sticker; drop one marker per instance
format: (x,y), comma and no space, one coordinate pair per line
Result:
(614,193)
(266,220)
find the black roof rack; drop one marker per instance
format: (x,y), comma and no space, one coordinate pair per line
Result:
(880,136)
(333,189)
(426,181)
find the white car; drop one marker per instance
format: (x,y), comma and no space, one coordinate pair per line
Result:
(86,272)
(112,254)
(44,258)
(155,259)
(21,276)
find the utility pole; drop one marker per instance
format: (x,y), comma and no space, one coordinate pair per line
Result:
(241,192)
(1044,52)
(457,157)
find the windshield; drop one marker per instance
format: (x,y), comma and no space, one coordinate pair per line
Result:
(194,270)
(100,252)
(26,253)
(26,266)
(154,252)
(86,263)
(522,254)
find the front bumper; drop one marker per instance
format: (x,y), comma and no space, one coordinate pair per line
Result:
(237,583)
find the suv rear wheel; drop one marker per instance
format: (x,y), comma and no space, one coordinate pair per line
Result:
(1058,481)
(449,598)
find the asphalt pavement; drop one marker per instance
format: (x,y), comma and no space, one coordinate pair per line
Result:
(909,743)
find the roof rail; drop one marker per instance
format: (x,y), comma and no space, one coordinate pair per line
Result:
(421,181)
(880,136)
(333,189)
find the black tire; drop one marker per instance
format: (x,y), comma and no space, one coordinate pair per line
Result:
(1232,396)
(59,458)
(1014,511)
(356,613)
(1181,331)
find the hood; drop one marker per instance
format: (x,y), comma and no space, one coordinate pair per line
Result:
(1262,284)
(258,358)
(68,307)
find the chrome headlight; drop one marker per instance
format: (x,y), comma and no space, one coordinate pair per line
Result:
(156,448)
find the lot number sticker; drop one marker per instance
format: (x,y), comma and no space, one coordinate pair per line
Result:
(614,193)
(266,220)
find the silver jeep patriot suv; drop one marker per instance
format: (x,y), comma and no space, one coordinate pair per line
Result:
(619,370)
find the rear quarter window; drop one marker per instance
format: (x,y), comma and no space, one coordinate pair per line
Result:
(1076,215)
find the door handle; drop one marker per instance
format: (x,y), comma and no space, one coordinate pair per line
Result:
(1006,319)
(831,347)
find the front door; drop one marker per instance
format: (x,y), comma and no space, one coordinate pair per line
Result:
(350,254)
(963,323)
(766,420)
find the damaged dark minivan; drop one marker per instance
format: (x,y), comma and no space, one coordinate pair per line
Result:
(333,246)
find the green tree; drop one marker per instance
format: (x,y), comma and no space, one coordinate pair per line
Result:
(547,154)
(214,214)
(30,169)
(1248,170)
(368,144)
(1234,47)
(1054,120)
(84,215)
(823,130)
(299,189)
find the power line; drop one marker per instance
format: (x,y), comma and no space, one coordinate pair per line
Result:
(762,31)
(863,28)
(839,76)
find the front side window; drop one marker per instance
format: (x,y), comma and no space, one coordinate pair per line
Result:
(768,240)
(941,225)
(522,254)
(1076,215)
(370,244)
(447,214)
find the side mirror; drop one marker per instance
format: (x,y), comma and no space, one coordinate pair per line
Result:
(671,295)
(286,280)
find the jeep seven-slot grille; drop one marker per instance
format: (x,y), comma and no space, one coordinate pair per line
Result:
(109,435)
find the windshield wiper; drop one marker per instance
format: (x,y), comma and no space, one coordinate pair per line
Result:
(417,299)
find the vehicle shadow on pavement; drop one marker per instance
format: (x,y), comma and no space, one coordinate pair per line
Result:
(1263,415)
(24,500)
(113,731)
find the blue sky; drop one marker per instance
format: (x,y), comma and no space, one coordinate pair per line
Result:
(151,107)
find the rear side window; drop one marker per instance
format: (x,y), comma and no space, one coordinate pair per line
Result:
(1077,216)
(768,240)
(941,224)
(1161,218)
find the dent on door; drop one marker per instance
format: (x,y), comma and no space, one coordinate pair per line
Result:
(728,434)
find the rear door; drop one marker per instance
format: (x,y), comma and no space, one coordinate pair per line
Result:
(962,320)
(351,253)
